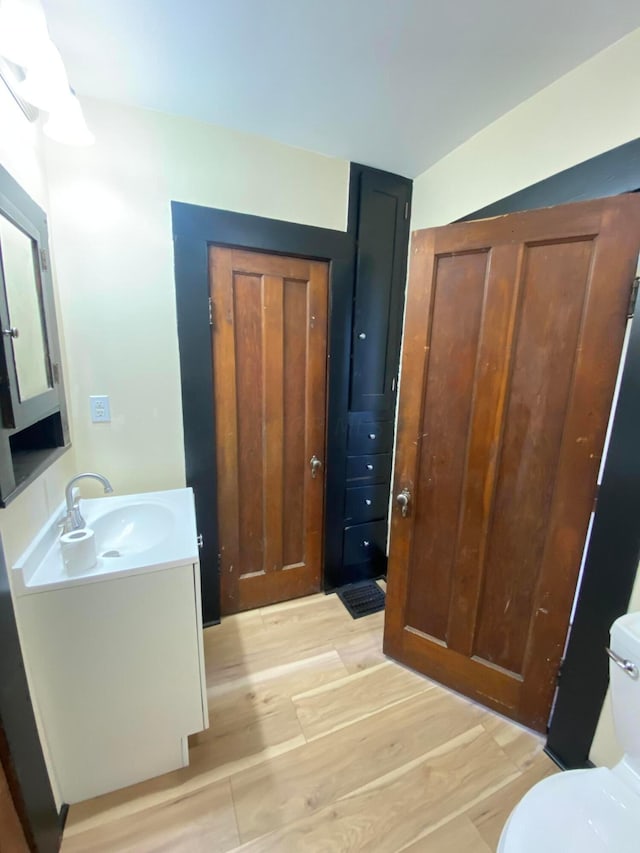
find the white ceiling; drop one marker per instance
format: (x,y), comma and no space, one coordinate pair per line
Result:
(391,83)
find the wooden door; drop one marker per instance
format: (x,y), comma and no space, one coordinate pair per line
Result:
(514,330)
(270,377)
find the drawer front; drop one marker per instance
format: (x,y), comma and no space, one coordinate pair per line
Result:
(370,437)
(369,468)
(366,503)
(365,543)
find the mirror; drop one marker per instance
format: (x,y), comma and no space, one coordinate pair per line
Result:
(18,256)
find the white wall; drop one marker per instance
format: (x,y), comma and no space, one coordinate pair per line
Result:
(588,111)
(21,155)
(111,224)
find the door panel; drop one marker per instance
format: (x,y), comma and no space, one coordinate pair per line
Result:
(269,356)
(381,254)
(513,336)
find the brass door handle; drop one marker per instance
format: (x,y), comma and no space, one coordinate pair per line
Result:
(316,464)
(403,500)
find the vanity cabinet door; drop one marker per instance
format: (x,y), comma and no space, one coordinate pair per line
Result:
(116,672)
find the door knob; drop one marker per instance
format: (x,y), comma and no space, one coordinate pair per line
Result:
(316,464)
(403,500)
(11,333)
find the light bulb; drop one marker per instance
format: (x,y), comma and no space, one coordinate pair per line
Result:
(66,123)
(46,82)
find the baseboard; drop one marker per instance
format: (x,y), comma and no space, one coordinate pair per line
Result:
(585,765)
(64,811)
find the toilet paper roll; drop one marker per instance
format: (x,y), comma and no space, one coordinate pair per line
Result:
(79,551)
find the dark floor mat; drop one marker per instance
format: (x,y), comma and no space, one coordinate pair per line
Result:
(362,598)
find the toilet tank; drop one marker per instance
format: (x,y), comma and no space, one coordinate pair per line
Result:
(625,689)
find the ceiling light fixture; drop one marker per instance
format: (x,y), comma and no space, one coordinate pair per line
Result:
(45,83)
(23,30)
(66,123)
(25,41)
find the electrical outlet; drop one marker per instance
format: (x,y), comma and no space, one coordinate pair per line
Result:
(100,409)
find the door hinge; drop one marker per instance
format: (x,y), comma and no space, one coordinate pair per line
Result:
(55,372)
(633,297)
(200,540)
(393,384)
(44,259)
(595,498)
(406,210)
(210,311)
(560,669)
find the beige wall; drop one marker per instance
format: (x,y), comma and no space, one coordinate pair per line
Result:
(111,224)
(21,154)
(586,112)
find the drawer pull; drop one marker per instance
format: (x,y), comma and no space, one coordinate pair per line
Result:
(367,501)
(372,436)
(365,543)
(369,466)
(362,336)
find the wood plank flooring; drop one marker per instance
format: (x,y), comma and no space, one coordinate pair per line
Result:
(317,742)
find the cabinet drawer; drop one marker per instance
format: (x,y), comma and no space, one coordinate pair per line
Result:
(365,542)
(370,437)
(369,468)
(366,503)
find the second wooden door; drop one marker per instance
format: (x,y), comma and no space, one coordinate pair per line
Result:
(269,359)
(512,343)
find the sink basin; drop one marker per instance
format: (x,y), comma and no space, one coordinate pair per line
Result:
(132,529)
(134,534)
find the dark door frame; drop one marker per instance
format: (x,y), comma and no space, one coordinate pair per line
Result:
(28,779)
(614,547)
(195,228)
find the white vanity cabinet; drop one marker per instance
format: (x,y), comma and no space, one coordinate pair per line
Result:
(116,668)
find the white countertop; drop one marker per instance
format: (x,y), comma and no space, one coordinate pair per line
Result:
(41,566)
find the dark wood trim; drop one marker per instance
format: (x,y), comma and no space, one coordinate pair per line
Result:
(588,765)
(32,792)
(194,229)
(614,172)
(614,548)
(608,579)
(64,814)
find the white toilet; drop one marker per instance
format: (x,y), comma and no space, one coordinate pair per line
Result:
(591,811)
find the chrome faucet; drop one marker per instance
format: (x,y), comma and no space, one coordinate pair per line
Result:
(73,520)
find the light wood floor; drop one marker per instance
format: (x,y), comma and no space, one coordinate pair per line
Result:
(318,743)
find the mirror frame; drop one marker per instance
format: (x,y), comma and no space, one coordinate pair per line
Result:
(35,429)
(17,413)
